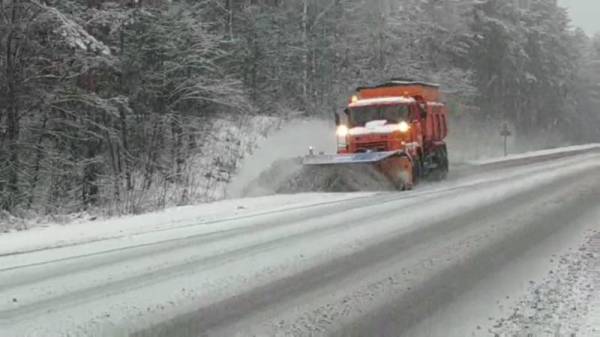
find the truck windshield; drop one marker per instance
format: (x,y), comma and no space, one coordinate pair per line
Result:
(360,116)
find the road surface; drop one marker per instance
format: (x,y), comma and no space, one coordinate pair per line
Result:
(449,259)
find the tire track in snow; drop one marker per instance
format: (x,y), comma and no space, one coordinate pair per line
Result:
(395,247)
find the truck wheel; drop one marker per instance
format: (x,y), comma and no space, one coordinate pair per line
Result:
(417,170)
(445,163)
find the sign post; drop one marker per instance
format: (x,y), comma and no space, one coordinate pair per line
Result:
(505,132)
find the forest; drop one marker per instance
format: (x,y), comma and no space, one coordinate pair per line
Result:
(121,106)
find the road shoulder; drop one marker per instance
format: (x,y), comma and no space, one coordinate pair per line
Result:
(565,303)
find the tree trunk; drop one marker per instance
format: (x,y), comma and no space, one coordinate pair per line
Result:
(12,121)
(305,51)
(90,189)
(381,36)
(229,9)
(177,132)
(39,155)
(125,155)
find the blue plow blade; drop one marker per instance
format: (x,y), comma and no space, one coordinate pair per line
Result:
(340,159)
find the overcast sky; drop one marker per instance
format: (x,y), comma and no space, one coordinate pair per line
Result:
(584,13)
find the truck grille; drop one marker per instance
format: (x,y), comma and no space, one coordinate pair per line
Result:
(375,146)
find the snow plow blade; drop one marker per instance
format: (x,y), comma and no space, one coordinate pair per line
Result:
(342,159)
(367,171)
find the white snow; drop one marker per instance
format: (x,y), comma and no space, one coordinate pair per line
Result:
(168,286)
(565,301)
(223,151)
(374,127)
(56,235)
(130,272)
(541,153)
(382,101)
(291,141)
(75,35)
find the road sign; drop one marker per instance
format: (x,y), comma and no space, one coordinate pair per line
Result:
(505,133)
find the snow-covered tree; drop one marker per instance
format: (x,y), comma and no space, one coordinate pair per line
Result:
(103,101)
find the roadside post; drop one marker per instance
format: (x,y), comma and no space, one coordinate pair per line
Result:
(505,133)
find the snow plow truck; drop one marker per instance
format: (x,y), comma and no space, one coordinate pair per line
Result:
(398,128)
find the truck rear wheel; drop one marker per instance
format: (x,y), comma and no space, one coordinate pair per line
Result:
(440,159)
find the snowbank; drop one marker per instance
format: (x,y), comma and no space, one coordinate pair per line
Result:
(56,235)
(541,153)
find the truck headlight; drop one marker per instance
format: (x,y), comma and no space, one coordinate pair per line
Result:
(342,131)
(403,127)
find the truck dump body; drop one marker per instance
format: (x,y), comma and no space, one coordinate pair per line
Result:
(397,88)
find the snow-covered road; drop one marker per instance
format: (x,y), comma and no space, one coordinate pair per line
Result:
(447,259)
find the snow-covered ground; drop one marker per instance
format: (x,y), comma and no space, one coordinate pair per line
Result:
(302,265)
(53,235)
(565,303)
(56,235)
(542,153)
